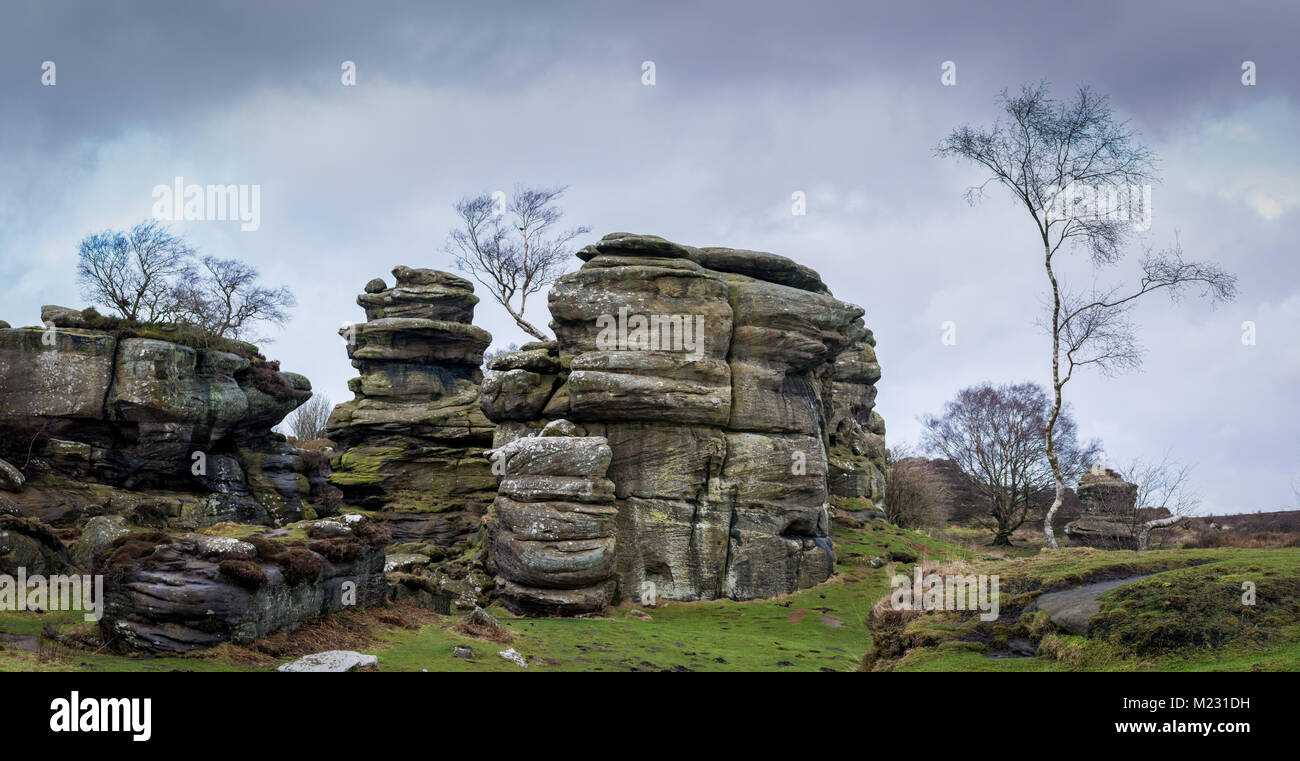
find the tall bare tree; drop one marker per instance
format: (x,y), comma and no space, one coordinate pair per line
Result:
(1072,166)
(512,248)
(223,298)
(131,272)
(997,436)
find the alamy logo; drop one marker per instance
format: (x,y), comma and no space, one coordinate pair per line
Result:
(179,202)
(946,592)
(655,332)
(54,592)
(78,714)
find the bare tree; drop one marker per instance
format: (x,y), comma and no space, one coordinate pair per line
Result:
(911,498)
(997,436)
(223,298)
(1057,160)
(1164,483)
(511,248)
(307,423)
(131,272)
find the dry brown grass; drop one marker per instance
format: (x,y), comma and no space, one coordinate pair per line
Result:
(352,629)
(497,634)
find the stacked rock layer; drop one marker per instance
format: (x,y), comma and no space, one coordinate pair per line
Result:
(722,381)
(553,538)
(413,437)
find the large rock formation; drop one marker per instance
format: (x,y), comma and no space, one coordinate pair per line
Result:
(142,443)
(413,438)
(121,420)
(722,382)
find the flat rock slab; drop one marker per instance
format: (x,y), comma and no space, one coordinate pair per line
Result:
(1071,609)
(332,660)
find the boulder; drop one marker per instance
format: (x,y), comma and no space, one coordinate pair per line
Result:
(28,544)
(11,479)
(332,661)
(98,533)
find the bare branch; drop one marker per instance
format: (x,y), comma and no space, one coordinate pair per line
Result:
(513,252)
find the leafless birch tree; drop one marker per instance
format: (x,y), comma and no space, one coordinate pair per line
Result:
(1073,168)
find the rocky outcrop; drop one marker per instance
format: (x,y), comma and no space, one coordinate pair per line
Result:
(712,376)
(1109,517)
(412,439)
(112,417)
(553,533)
(167,593)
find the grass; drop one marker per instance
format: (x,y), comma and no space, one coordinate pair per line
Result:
(824,628)
(1187,615)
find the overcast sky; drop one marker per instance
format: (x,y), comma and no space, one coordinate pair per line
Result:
(751,103)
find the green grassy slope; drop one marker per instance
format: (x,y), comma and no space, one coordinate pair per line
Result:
(1180,618)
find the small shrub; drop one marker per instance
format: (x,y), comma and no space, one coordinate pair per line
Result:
(265,377)
(266,549)
(338,550)
(245,573)
(126,549)
(300,564)
(372,533)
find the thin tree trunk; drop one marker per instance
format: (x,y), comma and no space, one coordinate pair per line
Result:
(1059,499)
(527,327)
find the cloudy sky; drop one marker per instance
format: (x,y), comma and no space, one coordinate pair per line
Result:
(751,103)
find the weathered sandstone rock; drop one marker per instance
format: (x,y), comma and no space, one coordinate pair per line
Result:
(115,421)
(553,526)
(1109,517)
(168,593)
(412,439)
(733,392)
